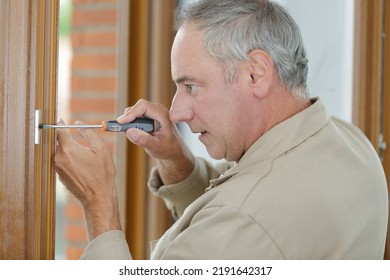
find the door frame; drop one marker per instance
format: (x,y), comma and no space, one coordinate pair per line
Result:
(28,61)
(371,92)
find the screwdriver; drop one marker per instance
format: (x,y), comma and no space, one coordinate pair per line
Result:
(148,125)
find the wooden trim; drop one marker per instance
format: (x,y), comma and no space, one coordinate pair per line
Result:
(386,114)
(162,34)
(46,99)
(371,106)
(27,75)
(367,65)
(161,90)
(122,102)
(136,158)
(386,95)
(149,76)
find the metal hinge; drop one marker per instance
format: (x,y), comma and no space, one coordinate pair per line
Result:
(37,132)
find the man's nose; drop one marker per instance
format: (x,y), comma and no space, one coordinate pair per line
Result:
(181,109)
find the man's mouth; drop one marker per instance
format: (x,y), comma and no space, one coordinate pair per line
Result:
(202,135)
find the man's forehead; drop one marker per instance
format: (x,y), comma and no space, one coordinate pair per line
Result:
(188,34)
(187,50)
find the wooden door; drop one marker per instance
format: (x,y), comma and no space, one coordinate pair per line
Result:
(371,87)
(385,131)
(28,46)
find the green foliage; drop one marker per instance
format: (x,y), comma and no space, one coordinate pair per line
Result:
(65,17)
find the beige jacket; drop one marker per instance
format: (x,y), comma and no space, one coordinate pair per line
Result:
(310,188)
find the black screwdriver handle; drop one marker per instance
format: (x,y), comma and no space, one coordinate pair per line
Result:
(148,125)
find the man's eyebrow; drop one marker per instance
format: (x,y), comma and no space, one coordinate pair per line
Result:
(183,79)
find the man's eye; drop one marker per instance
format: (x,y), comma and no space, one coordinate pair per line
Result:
(189,88)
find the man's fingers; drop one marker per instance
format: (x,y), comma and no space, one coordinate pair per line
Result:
(138,110)
(136,136)
(63,135)
(89,135)
(144,108)
(140,137)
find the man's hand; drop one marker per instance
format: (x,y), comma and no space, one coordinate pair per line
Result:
(89,174)
(174,160)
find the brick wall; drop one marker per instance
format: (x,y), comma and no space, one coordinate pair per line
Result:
(93,89)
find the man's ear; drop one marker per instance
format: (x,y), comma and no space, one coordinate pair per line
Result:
(262,72)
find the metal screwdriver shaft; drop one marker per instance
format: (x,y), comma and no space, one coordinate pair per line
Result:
(144,124)
(46,126)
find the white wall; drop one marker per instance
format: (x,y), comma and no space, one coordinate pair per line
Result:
(327,31)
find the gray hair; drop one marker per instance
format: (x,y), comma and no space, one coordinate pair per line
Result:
(235,27)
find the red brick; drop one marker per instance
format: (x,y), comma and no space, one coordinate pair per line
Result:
(83,61)
(87,44)
(92,105)
(74,212)
(90,121)
(94,39)
(98,84)
(76,233)
(94,17)
(93,1)
(87,120)
(73,253)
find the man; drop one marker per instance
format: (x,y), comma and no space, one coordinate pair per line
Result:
(300,185)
